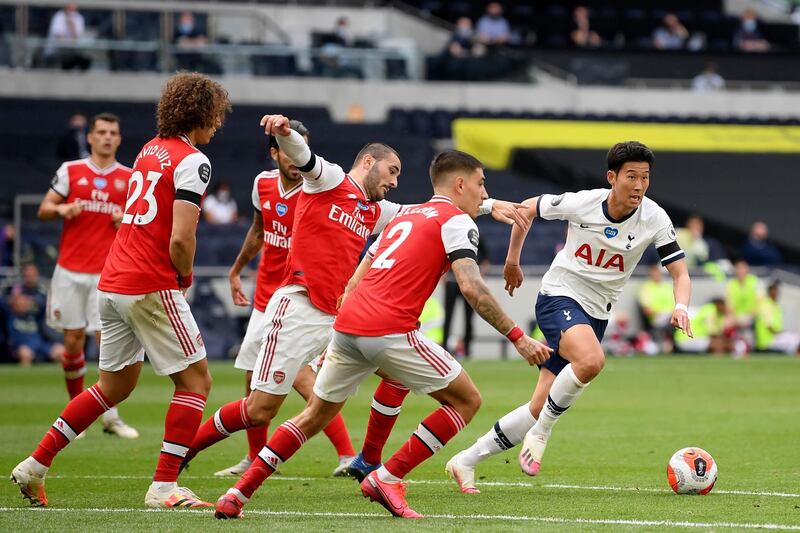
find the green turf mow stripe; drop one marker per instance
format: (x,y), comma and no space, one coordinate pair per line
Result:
(484,483)
(480,517)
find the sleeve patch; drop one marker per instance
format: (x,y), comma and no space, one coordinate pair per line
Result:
(472,235)
(463,253)
(204,171)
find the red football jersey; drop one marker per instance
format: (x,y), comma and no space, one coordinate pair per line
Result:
(86,239)
(410,256)
(334,219)
(277,207)
(166,170)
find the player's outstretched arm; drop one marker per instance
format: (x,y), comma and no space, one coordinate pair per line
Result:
(476,292)
(183,240)
(682,290)
(512,272)
(53,205)
(253,242)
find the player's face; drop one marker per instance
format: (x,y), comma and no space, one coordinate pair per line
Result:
(473,192)
(204,135)
(104,138)
(381,177)
(630,184)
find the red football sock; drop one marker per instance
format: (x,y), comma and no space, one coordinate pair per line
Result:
(180,425)
(386,404)
(256,439)
(74,368)
(430,437)
(336,431)
(285,441)
(228,419)
(78,415)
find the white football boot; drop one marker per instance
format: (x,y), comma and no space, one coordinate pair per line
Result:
(530,456)
(462,474)
(236,470)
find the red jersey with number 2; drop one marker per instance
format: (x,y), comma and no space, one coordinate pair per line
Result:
(166,170)
(409,258)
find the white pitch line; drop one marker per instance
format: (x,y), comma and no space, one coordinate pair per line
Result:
(480,517)
(483,483)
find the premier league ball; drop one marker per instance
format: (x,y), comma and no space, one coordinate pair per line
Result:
(692,471)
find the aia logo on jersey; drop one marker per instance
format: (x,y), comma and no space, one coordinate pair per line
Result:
(281,209)
(602,259)
(278,376)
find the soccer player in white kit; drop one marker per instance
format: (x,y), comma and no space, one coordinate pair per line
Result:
(377,327)
(609,231)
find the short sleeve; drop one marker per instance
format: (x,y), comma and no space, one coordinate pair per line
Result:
(389,210)
(255,197)
(460,238)
(60,182)
(562,206)
(191,177)
(665,239)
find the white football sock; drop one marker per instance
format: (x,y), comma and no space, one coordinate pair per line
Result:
(506,433)
(565,390)
(164,486)
(110,415)
(386,476)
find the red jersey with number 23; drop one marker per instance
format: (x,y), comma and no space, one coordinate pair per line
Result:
(277,207)
(409,258)
(166,170)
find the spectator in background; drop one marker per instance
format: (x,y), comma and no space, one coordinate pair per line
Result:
(463,42)
(748,38)
(656,303)
(757,251)
(743,295)
(770,335)
(452,294)
(342,31)
(671,35)
(7,236)
(67,27)
(220,207)
(190,40)
(187,33)
(25,327)
(72,145)
(708,80)
(493,28)
(708,326)
(691,240)
(582,35)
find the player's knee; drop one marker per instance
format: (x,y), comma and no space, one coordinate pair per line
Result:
(260,412)
(469,405)
(589,366)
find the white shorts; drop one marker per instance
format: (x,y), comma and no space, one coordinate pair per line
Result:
(296,332)
(410,358)
(72,301)
(159,323)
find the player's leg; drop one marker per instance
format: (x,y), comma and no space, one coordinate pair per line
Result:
(256,439)
(386,403)
(426,368)
(66,305)
(505,434)
(113,424)
(74,362)
(343,369)
(336,430)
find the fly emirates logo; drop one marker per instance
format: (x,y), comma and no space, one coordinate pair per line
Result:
(277,237)
(99,204)
(352,221)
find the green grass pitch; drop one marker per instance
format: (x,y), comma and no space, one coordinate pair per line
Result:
(604,470)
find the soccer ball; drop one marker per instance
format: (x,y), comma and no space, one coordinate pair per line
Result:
(692,471)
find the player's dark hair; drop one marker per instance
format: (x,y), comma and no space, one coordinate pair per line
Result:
(297,126)
(190,100)
(452,162)
(106,117)
(378,151)
(633,151)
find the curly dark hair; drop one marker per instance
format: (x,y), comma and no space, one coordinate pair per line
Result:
(190,100)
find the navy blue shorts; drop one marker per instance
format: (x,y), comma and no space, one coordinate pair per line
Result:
(559,313)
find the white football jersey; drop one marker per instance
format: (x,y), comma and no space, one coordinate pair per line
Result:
(601,252)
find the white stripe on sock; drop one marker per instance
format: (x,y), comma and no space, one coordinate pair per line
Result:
(174,449)
(431,440)
(384,409)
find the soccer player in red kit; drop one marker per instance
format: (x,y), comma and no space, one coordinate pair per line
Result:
(141,299)
(377,327)
(336,213)
(275,194)
(89,195)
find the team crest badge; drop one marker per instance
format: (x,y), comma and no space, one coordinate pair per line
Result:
(278,376)
(610,232)
(281,209)
(100,183)
(119,185)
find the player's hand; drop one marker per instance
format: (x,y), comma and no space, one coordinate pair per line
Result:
(276,125)
(513,276)
(69,211)
(237,294)
(533,351)
(510,213)
(680,320)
